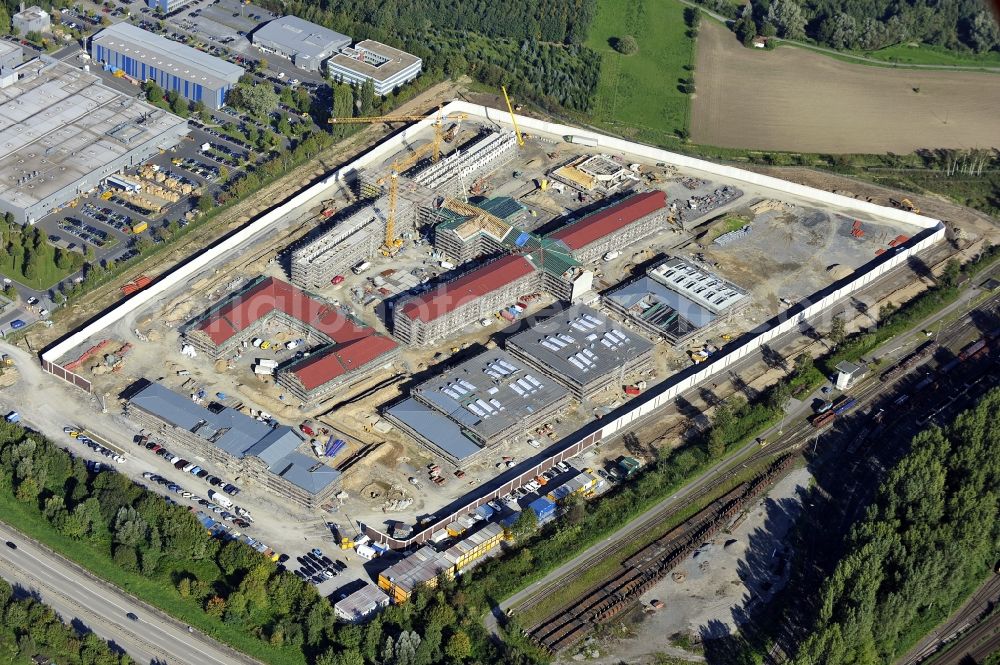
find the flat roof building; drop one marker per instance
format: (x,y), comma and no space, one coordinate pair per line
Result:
(194,75)
(387,67)
(32,19)
(62,132)
(583,350)
(676,299)
(11,55)
(361,604)
(236,442)
(306,44)
(167,6)
(478,404)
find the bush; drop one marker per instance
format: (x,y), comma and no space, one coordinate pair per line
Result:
(626,45)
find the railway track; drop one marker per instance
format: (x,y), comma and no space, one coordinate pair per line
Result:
(980,604)
(652,563)
(574,619)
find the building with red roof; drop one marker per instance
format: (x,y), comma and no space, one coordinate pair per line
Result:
(620,224)
(342,351)
(470,297)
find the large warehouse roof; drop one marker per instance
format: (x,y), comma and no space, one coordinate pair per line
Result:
(458,292)
(237,434)
(59,124)
(292,34)
(604,222)
(177,59)
(490,393)
(580,344)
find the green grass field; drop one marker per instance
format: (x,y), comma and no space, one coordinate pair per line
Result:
(637,95)
(914,54)
(48,274)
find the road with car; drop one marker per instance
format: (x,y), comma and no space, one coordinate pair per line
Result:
(146,634)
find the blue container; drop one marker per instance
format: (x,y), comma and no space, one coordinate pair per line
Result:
(543,507)
(485,511)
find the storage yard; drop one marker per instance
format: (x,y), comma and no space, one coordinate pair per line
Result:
(461,304)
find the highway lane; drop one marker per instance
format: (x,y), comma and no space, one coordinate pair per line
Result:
(77,595)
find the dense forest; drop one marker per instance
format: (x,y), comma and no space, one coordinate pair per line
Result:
(29,628)
(531,46)
(925,544)
(959,25)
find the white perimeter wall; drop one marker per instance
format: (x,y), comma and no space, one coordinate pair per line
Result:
(658,396)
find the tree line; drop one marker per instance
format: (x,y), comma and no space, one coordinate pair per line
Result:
(960,25)
(112,524)
(30,628)
(533,47)
(926,542)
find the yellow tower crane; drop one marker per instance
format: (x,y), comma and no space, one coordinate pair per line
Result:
(392,243)
(375,119)
(513,118)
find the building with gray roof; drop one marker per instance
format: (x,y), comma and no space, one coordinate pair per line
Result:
(361,604)
(306,44)
(62,132)
(676,300)
(475,405)
(143,55)
(32,19)
(583,350)
(388,68)
(236,442)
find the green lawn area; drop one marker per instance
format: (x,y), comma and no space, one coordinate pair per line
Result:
(48,273)
(922,54)
(637,95)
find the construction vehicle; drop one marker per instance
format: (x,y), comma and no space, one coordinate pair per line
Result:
(905,204)
(328,209)
(6,360)
(513,119)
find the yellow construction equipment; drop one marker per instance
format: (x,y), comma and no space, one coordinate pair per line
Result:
(392,243)
(439,133)
(513,120)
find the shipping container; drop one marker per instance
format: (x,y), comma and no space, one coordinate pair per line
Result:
(262,370)
(543,507)
(485,511)
(139,227)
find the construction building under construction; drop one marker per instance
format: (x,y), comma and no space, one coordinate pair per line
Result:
(583,350)
(342,352)
(677,299)
(528,262)
(596,173)
(476,405)
(618,225)
(334,249)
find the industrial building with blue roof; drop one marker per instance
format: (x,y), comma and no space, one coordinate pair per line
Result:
(235,442)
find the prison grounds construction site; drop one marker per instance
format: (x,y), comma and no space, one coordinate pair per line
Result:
(463,311)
